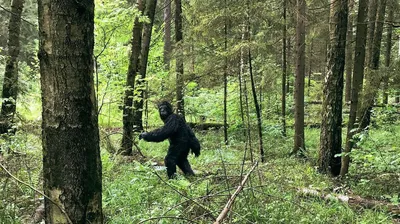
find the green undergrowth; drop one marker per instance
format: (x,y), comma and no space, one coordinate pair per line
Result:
(138,191)
(141,193)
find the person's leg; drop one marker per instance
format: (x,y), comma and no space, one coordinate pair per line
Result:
(184,165)
(170,163)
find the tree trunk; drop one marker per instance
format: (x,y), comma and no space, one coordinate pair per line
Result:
(284,70)
(246,101)
(299,145)
(241,79)
(10,83)
(167,33)
(310,67)
(70,134)
(397,97)
(258,113)
(357,82)
(331,124)
(225,81)
(179,58)
(144,55)
(127,116)
(288,74)
(388,52)
(373,7)
(349,53)
(373,79)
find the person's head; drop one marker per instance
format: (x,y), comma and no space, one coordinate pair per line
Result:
(165,109)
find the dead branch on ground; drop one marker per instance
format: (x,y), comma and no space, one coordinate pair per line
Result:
(228,205)
(353,200)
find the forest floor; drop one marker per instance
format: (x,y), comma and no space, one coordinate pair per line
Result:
(138,191)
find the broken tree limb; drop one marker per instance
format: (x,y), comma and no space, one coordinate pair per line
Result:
(228,205)
(39,192)
(353,200)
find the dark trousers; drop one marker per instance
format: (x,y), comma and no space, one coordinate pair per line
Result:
(177,156)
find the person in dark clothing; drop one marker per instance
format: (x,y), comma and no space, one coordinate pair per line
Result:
(181,140)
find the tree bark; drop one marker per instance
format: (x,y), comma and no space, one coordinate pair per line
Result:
(241,78)
(225,80)
(349,53)
(284,70)
(299,144)
(388,51)
(179,58)
(331,124)
(288,58)
(310,66)
(357,81)
(127,115)
(257,106)
(140,85)
(373,7)
(167,33)
(70,135)
(373,79)
(10,83)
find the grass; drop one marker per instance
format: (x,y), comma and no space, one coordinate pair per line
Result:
(135,192)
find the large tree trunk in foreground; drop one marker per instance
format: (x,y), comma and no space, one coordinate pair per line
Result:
(179,58)
(10,83)
(357,82)
(299,144)
(144,55)
(70,135)
(127,115)
(331,124)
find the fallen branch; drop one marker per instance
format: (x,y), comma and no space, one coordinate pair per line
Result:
(138,149)
(192,200)
(353,201)
(167,217)
(228,205)
(36,190)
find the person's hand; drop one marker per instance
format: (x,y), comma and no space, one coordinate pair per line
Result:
(196,154)
(142,135)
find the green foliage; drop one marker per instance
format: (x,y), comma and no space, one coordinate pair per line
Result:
(378,151)
(21,155)
(113,31)
(133,192)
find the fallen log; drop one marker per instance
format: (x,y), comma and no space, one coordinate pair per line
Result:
(205,126)
(353,201)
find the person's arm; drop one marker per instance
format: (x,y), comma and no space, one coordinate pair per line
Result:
(163,133)
(193,142)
